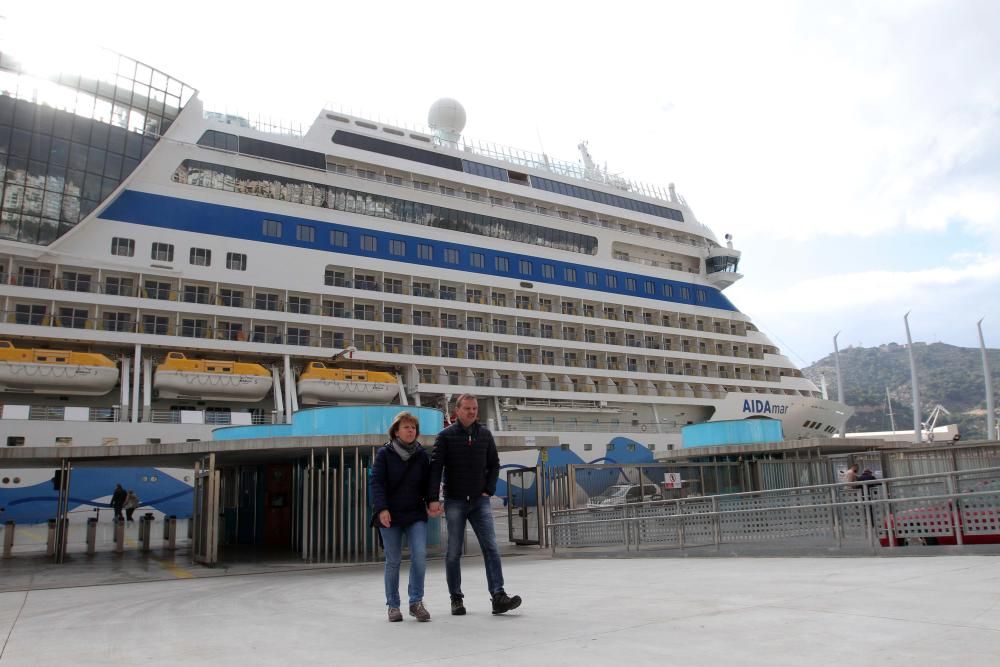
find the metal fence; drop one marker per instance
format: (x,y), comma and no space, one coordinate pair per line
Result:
(960,507)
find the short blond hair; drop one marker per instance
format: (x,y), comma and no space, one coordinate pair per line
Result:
(398,420)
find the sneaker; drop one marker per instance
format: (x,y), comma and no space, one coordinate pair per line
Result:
(457,607)
(502,603)
(419,612)
(394,615)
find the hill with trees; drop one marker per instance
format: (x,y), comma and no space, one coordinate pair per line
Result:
(947,375)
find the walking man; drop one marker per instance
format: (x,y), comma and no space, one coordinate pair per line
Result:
(118,501)
(466,455)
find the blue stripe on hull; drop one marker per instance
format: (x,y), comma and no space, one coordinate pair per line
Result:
(228,221)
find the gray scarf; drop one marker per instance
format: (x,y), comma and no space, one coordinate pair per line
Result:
(405,451)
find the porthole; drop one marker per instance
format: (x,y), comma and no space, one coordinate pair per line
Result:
(17,480)
(6,480)
(154,478)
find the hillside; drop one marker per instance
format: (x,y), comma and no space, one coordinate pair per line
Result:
(947,375)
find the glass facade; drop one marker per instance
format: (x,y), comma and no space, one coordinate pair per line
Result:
(67,141)
(618,201)
(271,186)
(268,150)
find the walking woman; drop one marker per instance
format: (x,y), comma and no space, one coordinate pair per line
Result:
(399,481)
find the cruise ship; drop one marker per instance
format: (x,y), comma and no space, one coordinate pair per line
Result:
(166,269)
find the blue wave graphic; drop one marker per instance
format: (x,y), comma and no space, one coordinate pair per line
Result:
(626,451)
(30,504)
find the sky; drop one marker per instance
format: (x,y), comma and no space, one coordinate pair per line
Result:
(852,149)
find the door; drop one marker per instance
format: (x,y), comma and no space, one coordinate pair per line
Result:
(278,505)
(205,536)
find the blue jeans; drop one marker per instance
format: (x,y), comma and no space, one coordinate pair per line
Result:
(478,513)
(392,539)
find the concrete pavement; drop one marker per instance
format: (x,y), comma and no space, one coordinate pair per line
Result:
(655,611)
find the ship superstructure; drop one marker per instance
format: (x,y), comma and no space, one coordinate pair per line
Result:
(137,224)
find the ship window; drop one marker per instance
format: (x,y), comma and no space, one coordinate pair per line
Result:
(476,260)
(305,233)
(501,264)
(117,321)
(298,336)
(157,290)
(155,324)
(700,295)
(668,292)
(630,284)
(338,239)
(611,280)
(685,293)
(201,257)
(425,252)
(236,261)
(650,287)
(263,301)
(299,304)
(397,247)
(230,297)
(587,446)
(122,247)
(73,318)
(196,294)
(118,286)
(76,282)
(591,278)
(451,256)
(611,447)
(271,228)
(15,441)
(369,243)
(421,185)
(548,271)
(569,275)
(194,328)
(524,266)
(162,252)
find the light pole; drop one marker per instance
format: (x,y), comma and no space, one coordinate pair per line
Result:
(990,427)
(840,382)
(917,432)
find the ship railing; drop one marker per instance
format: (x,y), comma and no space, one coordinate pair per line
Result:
(582,425)
(255,121)
(213,417)
(63,413)
(314,304)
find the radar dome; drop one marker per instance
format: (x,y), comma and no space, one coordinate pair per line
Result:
(447,119)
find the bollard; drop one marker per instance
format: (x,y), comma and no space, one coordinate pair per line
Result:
(170,532)
(91,536)
(145,529)
(50,542)
(8,538)
(119,537)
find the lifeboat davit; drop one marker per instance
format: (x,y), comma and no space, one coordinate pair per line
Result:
(205,379)
(319,384)
(41,371)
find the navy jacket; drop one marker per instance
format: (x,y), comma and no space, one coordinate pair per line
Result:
(406,480)
(468,460)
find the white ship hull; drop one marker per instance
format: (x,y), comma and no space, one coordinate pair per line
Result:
(540,286)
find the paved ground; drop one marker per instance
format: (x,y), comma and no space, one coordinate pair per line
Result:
(655,611)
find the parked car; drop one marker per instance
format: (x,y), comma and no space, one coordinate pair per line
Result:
(983,515)
(619,494)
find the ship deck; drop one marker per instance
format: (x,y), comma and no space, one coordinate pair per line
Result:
(697,611)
